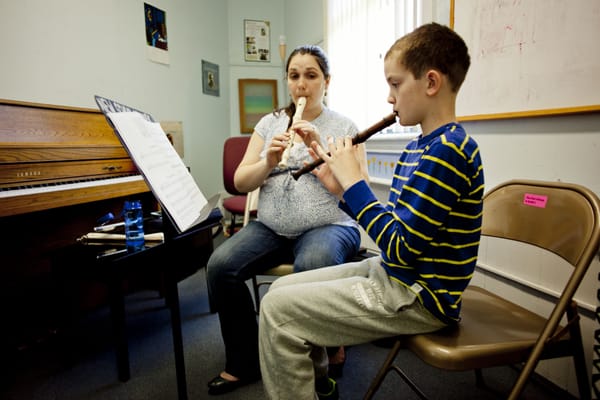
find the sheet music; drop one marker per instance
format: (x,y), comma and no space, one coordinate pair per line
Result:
(161,166)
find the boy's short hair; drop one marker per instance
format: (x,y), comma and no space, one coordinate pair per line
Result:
(433,46)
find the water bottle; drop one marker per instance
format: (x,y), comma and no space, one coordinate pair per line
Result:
(134,225)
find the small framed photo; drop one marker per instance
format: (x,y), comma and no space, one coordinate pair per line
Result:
(210,78)
(257,98)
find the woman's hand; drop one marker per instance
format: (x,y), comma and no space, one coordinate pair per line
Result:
(307,131)
(275,150)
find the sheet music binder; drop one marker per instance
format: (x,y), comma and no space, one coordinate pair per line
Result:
(152,156)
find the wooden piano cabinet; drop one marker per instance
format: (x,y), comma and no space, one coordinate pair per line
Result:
(61,168)
(27,290)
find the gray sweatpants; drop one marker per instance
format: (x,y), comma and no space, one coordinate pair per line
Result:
(342,305)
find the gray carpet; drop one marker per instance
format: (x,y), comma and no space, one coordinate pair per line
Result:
(84,368)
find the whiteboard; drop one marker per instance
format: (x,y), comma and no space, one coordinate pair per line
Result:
(529,57)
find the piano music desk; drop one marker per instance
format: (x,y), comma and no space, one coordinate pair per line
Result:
(168,259)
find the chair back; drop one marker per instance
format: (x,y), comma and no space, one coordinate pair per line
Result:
(563,218)
(233,152)
(558,217)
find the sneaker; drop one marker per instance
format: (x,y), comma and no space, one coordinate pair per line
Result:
(327,389)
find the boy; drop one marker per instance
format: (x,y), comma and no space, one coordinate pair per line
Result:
(428,231)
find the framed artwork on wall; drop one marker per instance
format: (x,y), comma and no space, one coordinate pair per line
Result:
(210,78)
(257,40)
(257,97)
(157,45)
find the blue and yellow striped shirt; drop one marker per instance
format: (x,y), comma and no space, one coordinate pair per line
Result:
(429,230)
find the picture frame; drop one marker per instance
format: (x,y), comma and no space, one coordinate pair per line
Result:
(257,40)
(157,45)
(257,98)
(210,78)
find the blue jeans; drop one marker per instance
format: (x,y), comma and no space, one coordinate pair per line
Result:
(252,250)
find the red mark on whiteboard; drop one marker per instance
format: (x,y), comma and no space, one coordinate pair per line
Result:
(535,200)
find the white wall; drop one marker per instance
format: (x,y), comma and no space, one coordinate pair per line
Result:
(304,22)
(262,10)
(66,51)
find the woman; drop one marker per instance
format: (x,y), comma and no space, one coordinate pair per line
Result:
(297,221)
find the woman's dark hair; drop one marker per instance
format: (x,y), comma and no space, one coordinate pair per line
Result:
(320,58)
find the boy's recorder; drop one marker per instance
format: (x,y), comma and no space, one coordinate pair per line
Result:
(359,138)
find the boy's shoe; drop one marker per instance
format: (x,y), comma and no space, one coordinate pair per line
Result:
(327,389)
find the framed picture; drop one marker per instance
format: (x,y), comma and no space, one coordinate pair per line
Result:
(157,47)
(257,98)
(257,40)
(210,78)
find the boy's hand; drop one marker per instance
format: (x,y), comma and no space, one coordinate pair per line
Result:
(323,173)
(342,160)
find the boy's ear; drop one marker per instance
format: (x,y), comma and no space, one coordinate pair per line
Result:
(434,81)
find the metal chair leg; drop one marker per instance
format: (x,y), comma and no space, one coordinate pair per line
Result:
(256,293)
(388,366)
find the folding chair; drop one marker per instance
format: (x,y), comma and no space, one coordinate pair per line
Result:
(280,270)
(561,218)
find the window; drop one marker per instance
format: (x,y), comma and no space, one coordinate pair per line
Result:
(357,35)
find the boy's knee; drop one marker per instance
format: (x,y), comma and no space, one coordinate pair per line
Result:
(276,284)
(267,305)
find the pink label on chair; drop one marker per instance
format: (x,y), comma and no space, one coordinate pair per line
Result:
(535,200)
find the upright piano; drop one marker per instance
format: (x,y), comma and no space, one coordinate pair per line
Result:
(61,169)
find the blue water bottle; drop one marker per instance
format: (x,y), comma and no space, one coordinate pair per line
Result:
(134,225)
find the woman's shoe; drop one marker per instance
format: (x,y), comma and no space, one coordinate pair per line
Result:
(220,385)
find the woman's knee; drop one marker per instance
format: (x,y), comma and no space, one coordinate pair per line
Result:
(219,265)
(322,255)
(314,259)
(326,246)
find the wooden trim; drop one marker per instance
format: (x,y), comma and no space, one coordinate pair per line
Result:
(532,113)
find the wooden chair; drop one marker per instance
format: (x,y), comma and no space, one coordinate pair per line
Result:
(280,270)
(558,217)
